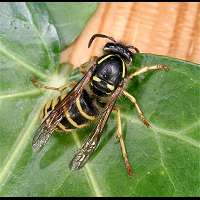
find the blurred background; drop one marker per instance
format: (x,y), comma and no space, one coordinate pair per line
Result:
(166,28)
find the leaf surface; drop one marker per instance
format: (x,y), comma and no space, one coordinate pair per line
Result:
(70,19)
(165,159)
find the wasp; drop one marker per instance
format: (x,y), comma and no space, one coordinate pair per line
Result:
(94,98)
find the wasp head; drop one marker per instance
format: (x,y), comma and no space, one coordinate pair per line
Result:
(116,48)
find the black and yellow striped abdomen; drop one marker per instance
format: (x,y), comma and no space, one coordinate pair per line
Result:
(79,114)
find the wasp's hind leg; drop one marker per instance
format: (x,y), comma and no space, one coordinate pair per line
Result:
(85,66)
(140,113)
(147,69)
(122,144)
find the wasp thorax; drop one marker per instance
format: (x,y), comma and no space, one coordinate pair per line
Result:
(110,70)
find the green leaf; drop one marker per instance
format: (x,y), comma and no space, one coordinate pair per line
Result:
(165,158)
(28,37)
(70,18)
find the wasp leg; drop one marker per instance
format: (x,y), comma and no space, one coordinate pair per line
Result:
(85,66)
(140,113)
(148,68)
(122,144)
(38,84)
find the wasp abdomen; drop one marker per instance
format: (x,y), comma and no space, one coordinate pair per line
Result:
(86,105)
(80,112)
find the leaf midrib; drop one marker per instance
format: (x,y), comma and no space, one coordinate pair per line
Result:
(21,142)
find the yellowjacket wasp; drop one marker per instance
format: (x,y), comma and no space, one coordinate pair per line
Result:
(94,97)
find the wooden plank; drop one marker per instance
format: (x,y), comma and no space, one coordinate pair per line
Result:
(167,28)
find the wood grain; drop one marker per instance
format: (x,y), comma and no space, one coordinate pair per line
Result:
(167,28)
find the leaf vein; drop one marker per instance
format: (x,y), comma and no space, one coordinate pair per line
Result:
(166,132)
(21,142)
(20,94)
(27,66)
(41,37)
(162,159)
(142,177)
(88,172)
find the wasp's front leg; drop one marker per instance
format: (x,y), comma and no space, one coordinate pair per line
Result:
(41,85)
(140,113)
(147,69)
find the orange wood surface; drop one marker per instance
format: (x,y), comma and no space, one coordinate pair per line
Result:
(167,28)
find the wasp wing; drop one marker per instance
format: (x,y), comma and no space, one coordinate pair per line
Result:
(45,130)
(92,141)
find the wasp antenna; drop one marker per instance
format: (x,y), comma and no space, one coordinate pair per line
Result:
(132,47)
(99,35)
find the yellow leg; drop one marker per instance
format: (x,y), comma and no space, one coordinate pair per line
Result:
(122,144)
(146,69)
(140,113)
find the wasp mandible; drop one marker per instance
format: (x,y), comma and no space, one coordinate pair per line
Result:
(93,98)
